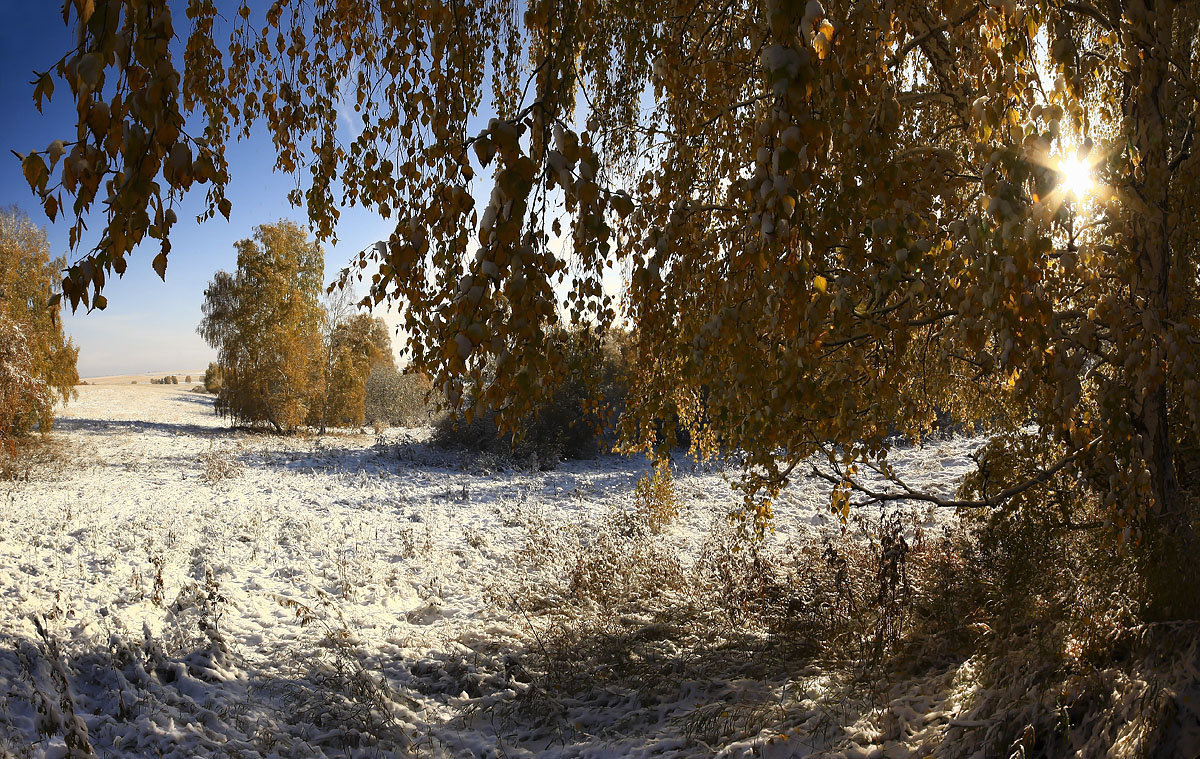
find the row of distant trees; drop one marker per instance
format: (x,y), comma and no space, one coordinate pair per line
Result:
(37,361)
(287,357)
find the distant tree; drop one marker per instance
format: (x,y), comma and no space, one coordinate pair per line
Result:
(356,346)
(213,378)
(188,379)
(265,322)
(174,380)
(28,279)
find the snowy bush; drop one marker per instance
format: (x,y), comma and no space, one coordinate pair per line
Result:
(51,694)
(25,399)
(397,399)
(654,497)
(217,466)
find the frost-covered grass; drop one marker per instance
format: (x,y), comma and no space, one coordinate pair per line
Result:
(213,592)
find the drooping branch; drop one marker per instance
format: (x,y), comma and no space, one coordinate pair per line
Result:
(924,37)
(873,496)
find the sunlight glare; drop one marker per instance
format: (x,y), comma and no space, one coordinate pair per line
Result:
(1076,176)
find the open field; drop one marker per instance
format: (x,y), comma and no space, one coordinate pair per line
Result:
(217,592)
(144,378)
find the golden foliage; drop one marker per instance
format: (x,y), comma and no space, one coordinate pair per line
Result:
(654,497)
(834,221)
(39,360)
(357,345)
(265,322)
(24,398)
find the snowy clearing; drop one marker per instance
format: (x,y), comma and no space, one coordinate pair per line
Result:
(212,592)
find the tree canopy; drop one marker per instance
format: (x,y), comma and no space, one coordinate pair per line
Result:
(835,221)
(285,358)
(355,346)
(265,322)
(40,361)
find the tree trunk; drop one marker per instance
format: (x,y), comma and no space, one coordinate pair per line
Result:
(1168,550)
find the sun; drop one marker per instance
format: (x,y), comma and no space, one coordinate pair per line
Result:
(1076,173)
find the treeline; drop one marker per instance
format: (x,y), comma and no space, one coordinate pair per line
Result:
(289,359)
(37,361)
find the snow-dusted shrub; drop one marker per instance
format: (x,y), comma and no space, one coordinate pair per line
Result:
(397,399)
(335,691)
(216,466)
(1046,564)
(612,562)
(654,497)
(25,398)
(51,694)
(1021,701)
(851,590)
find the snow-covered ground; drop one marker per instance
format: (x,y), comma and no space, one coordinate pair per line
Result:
(213,592)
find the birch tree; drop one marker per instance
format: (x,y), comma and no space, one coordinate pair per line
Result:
(834,220)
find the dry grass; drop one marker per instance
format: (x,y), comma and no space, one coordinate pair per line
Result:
(218,466)
(40,457)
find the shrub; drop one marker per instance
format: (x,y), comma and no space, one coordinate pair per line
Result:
(654,497)
(397,399)
(216,466)
(188,379)
(1047,563)
(570,424)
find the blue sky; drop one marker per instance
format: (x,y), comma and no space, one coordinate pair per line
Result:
(149,325)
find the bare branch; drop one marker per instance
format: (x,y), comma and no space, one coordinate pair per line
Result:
(1087,9)
(911,494)
(916,41)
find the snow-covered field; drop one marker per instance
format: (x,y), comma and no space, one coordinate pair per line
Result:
(212,592)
